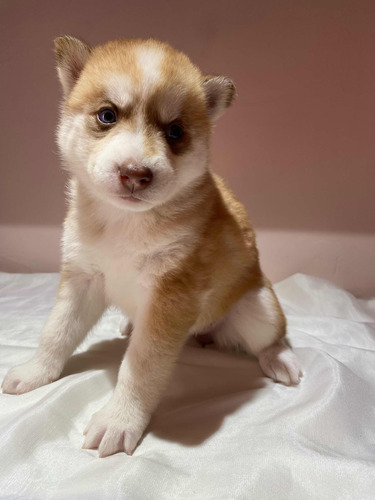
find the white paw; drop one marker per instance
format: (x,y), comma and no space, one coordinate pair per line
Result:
(280,363)
(27,377)
(114,429)
(126,327)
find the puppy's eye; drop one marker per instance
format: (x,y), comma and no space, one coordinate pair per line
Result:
(174,132)
(107,116)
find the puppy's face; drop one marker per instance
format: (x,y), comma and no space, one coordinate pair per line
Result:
(136,119)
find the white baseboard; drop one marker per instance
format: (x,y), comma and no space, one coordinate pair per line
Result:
(347,259)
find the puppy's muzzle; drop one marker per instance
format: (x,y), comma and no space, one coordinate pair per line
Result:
(135,177)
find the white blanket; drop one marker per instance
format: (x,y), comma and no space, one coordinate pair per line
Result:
(222,430)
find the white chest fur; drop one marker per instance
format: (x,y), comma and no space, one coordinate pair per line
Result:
(121,266)
(122,285)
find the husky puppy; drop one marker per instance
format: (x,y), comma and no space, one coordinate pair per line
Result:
(151,230)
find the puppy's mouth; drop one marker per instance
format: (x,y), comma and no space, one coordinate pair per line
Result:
(131,198)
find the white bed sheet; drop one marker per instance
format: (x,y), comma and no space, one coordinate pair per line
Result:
(222,431)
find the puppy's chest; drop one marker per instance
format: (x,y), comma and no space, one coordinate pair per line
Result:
(125,277)
(131,265)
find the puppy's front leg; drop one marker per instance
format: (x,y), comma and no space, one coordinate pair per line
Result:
(154,346)
(79,304)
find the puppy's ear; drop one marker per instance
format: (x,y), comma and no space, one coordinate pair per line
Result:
(219,92)
(71,56)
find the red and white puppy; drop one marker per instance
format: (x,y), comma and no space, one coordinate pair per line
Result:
(150,229)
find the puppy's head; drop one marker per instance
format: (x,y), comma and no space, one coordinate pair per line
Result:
(136,119)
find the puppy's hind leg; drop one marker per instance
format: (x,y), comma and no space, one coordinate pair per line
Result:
(257,324)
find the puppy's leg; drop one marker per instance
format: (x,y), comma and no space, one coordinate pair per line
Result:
(159,333)
(79,304)
(257,324)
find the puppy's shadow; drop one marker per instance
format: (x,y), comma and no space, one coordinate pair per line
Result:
(207,385)
(105,355)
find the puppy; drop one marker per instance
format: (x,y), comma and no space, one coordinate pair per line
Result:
(151,230)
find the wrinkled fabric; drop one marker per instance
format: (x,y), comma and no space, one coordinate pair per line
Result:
(222,430)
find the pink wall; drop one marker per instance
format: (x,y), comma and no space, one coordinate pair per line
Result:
(297,146)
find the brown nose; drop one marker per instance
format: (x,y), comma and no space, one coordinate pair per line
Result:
(135,177)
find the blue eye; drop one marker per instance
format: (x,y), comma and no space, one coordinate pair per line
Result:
(174,132)
(107,116)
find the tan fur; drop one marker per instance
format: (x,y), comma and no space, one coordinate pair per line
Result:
(177,253)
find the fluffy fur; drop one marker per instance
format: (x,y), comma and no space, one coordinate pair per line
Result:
(173,249)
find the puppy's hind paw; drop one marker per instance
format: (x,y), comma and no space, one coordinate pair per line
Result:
(280,363)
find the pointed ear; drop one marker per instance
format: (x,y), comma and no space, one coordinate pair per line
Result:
(219,92)
(71,56)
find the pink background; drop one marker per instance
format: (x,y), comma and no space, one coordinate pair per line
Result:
(297,146)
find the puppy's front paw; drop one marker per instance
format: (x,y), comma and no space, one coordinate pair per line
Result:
(115,429)
(280,363)
(27,377)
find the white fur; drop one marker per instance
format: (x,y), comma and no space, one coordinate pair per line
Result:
(251,323)
(119,90)
(281,364)
(149,61)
